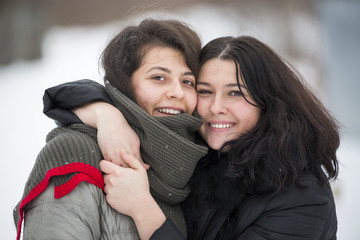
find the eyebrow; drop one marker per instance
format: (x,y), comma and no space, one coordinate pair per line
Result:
(159,68)
(188,74)
(230,85)
(169,71)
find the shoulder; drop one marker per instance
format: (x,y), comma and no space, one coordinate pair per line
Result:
(305,213)
(311,193)
(64,218)
(76,143)
(75,199)
(75,132)
(83,213)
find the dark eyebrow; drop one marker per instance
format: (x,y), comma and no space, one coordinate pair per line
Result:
(204,83)
(159,68)
(169,71)
(188,74)
(227,85)
(235,85)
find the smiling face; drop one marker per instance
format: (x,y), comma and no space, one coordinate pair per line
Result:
(225,112)
(164,85)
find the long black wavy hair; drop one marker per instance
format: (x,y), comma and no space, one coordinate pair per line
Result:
(295,134)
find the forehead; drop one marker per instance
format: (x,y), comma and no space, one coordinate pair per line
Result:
(218,71)
(158,54)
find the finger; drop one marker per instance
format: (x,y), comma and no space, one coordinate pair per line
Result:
(131,160)
(107,167)
(138,156)
(119,162)
(106,189)
(145,165)
(106,179)
(116,159)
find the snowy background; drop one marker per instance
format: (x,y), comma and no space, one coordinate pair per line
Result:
(73,53)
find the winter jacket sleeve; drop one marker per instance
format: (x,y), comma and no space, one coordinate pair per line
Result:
(59,100)
(167,231)
(69,217)
(295,213)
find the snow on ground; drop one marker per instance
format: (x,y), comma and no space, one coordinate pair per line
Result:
(71,54)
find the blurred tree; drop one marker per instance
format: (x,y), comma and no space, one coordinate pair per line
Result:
(22,27)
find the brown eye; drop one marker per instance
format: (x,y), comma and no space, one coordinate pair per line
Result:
(235,93)
(159,78)
(189,83)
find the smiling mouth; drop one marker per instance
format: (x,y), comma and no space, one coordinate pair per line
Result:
(169,111)
(229,125)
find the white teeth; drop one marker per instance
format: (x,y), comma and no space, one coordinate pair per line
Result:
(169,111)
(220,125)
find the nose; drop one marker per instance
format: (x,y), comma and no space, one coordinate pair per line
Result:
(175,91)
(218,106)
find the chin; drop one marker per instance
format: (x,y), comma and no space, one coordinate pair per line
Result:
(216,145)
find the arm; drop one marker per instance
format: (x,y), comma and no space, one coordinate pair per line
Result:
(167,231)
(59,100)
(128,192)
(114,133)
(87,101)
(66,218)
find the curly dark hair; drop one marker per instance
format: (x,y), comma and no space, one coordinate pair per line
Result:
(123,55)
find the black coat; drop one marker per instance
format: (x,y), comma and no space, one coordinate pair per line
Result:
(216,209)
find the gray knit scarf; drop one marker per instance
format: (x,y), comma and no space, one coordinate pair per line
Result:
(167,144)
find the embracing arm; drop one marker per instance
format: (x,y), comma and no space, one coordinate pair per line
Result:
(59,100)
(87,101)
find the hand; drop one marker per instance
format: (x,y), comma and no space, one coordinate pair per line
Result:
(128,192)
(125,188)
(114,133)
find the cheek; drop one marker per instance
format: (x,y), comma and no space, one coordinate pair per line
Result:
(249,117)
(202,131)
(191,101)
(142,98)
(255,116)
(201,107)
